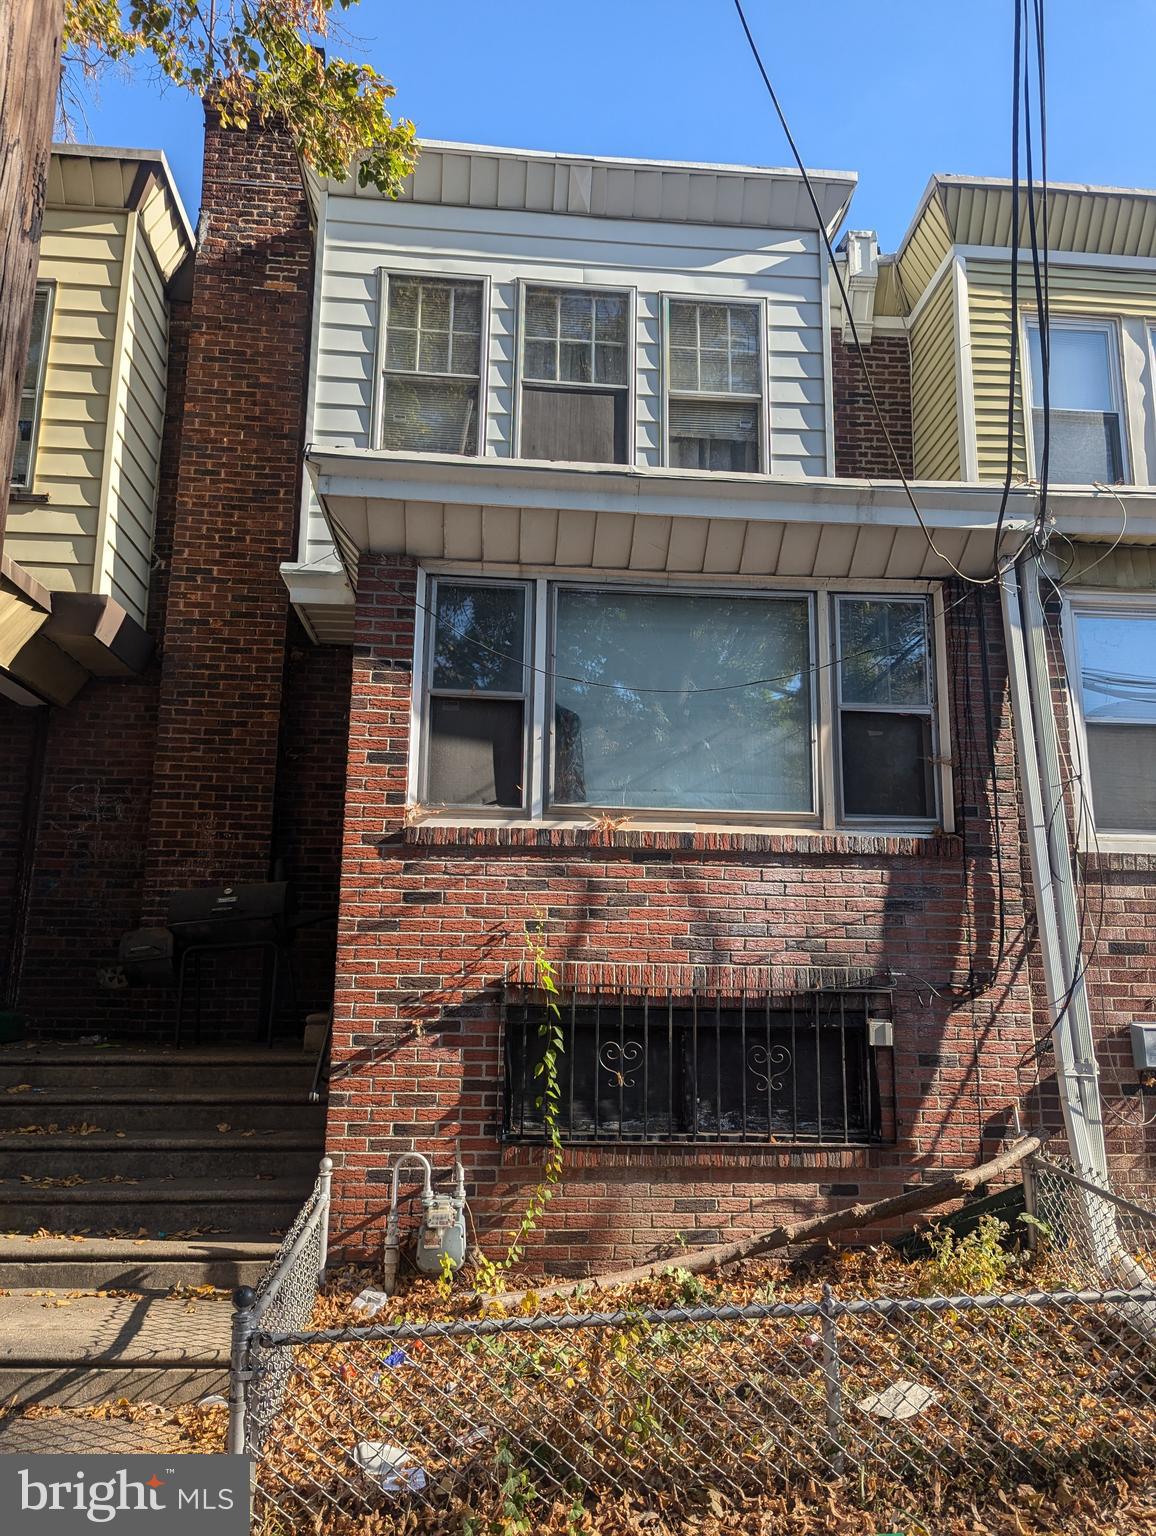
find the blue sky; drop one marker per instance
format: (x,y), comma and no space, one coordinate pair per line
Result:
(894,90)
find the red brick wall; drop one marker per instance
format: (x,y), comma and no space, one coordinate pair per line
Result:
(861,450)
(430,916)
(237,491)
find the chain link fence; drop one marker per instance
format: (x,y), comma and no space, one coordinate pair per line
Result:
(947,1396)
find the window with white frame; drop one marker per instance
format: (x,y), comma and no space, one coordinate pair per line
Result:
(676,701)
(32,389)
(1086,438)
(714,405)
(1116,686)
(575,375)
(432,384)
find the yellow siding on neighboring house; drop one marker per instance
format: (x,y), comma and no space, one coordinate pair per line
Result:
(135,439)
(1097,292)
(82,254)
(935,413)
(923,251)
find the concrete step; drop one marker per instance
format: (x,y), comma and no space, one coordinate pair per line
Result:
(161,1207)
(140,1111)
(194,1071)
(224,1155)
(88,1349)
(133,1264)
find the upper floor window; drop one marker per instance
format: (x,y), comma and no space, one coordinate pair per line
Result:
(584,697)
(576,367)
(1116,648)
(432,384)
(714,386)
(32,389)
(1087,434)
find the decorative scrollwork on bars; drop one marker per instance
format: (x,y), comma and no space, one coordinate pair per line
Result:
(770,1067)
(617,1060)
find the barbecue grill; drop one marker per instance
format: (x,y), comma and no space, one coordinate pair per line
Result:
(211,920)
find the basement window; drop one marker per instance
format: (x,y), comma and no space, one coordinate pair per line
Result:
(714,406)
(793,1070)
(1087,437)
(575,373)
(32,389)
(431,388)
(1116,645)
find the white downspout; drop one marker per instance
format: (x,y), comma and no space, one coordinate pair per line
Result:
(1045,817)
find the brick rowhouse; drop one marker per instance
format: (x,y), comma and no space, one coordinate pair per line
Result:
(432,915)
(227,755)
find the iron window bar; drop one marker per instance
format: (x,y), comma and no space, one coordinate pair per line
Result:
(660,1068)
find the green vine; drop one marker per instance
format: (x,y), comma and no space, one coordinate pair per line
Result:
(549,1101)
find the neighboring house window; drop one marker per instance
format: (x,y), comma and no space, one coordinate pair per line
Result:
(662,1069)
(1116,651)
(432,365)
(1087,434)
(575,376)
(714,388)
(543,695)
(32,389)
(886,723)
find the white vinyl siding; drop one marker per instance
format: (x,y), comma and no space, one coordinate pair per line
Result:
(361,234)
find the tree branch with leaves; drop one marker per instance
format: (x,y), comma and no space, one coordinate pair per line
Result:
(256,59)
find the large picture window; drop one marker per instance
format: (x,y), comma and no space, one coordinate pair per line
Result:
(704,736)
(714,386)
(1116,659)
(1087,434)
(430,392)
(575,375)
(543,696)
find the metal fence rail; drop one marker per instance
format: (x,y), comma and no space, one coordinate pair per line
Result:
(955,1390)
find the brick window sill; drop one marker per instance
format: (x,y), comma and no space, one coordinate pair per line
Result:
(701,840)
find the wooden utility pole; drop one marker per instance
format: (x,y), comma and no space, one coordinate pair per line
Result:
(30,33)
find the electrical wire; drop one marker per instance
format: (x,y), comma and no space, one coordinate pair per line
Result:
(979,581)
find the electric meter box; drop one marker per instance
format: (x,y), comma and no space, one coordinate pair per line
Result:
(1144,1044)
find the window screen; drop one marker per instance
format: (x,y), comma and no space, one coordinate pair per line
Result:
(31,390)
(432,365)
(575,371)
(1118,688)
(478,680)
(680,700)
(1086,442)
(886,753)
(714,403)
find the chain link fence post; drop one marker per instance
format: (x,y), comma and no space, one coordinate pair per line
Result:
(324,1186)
(832,1377)
(240,1373)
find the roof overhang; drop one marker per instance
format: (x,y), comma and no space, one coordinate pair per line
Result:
(606,186)
(647,522)
(51,643)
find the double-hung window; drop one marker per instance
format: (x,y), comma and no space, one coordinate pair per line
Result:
(32,388)
(714,406)
(432,376)
(575,375)
(1116,659)
(575,698)
(1087,421)
(886,711)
